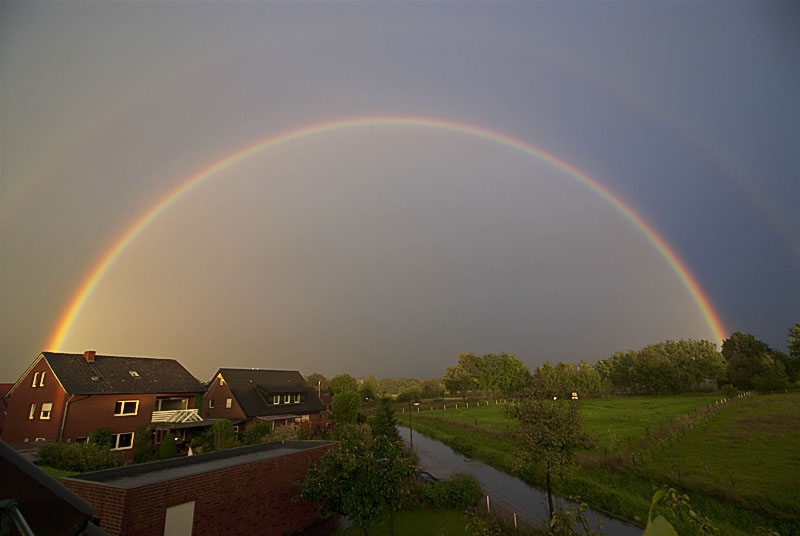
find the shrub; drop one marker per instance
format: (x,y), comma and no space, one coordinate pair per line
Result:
(79,457)
(168,449)
(258,433)
(729,391)
(101,437)
(143,445)
(223,435)
(460,492)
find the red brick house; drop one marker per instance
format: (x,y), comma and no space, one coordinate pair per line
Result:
(66,396)
(248,396)
(245,490)
(4,389)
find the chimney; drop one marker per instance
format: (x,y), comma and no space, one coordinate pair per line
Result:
(89,355)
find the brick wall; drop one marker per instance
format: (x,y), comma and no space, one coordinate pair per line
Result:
(251,498)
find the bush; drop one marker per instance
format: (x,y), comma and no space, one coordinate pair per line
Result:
(729,391)
(460,492)
(258,433)
(101,437)
(79,457)
(223,435)
(143,445)
(168,449)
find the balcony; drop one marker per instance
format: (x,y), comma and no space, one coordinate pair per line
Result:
(176,415)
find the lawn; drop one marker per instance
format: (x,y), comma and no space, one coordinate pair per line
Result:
(611,421)
(55,473)
(418,523)
(739,466)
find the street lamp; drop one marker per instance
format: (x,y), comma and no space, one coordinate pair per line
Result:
(410,429)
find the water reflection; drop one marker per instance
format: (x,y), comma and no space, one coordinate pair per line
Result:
(518,495)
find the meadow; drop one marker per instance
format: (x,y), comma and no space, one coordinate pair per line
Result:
(737,461)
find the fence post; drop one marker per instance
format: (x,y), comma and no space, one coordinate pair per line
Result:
(488,509)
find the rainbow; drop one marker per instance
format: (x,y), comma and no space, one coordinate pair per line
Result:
(79,298)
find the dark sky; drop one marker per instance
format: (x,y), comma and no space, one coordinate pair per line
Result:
(390,248)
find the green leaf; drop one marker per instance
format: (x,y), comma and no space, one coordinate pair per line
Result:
(659,527)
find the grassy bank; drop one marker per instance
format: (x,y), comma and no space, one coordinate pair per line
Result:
(417,523)
(739,465)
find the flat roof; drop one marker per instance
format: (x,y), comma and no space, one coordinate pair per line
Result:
(145,474)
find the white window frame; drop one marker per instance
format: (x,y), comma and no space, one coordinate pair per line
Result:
(35,379)
(32,414)
(210,403)
(122,412)
(41,379)
(40,439)
(228,403)
(296,399)
(276,399)
(115,440)
(287,399)
(48,408)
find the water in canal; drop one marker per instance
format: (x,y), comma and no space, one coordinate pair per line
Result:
(521,496)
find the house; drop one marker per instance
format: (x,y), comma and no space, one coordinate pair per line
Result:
(46,506)
(66,396)
(249,396)
(245,490)
(4,389)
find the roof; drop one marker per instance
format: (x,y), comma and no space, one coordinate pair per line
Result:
(252,388)
(145,474)
(113,374)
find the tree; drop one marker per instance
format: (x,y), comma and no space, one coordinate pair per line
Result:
(384,423)
(342,384)
(317,380)
(345,406)
(432,388)
(794,341)
(751,363)
(361,479)
(101,437)
(549,432)
(457,380)
(223,435)
(168,449)
(143,445)
(367,391)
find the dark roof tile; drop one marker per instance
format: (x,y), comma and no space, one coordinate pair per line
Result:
(253,387)
(112,374)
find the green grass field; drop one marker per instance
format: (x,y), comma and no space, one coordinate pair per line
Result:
(740,466)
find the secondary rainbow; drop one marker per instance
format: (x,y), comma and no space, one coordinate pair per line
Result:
(112,254)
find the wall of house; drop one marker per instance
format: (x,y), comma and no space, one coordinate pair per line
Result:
(219,392)
(18,426)
(252,498)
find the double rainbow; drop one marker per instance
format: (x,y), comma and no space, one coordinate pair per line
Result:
(72,311)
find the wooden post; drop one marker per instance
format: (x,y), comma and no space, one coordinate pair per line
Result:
(515,520)
(488,509)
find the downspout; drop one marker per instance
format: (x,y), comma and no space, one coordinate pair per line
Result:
(64,417)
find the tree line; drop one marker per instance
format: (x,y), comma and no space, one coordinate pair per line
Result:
(667,367)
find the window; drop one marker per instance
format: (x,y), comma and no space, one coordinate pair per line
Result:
(35,379)
(296,399)
(33,411)
(126,407)
(47,408)
(122,441)
(41,379)
(133,373)
(286,399)
(81,439)
(221,380)
(276,399)
(38,439)
(236,428)
(228,403)
(211,403)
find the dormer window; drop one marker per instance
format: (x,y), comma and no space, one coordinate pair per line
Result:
(296,399)
(286,399)
(276,399)
(133,373)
